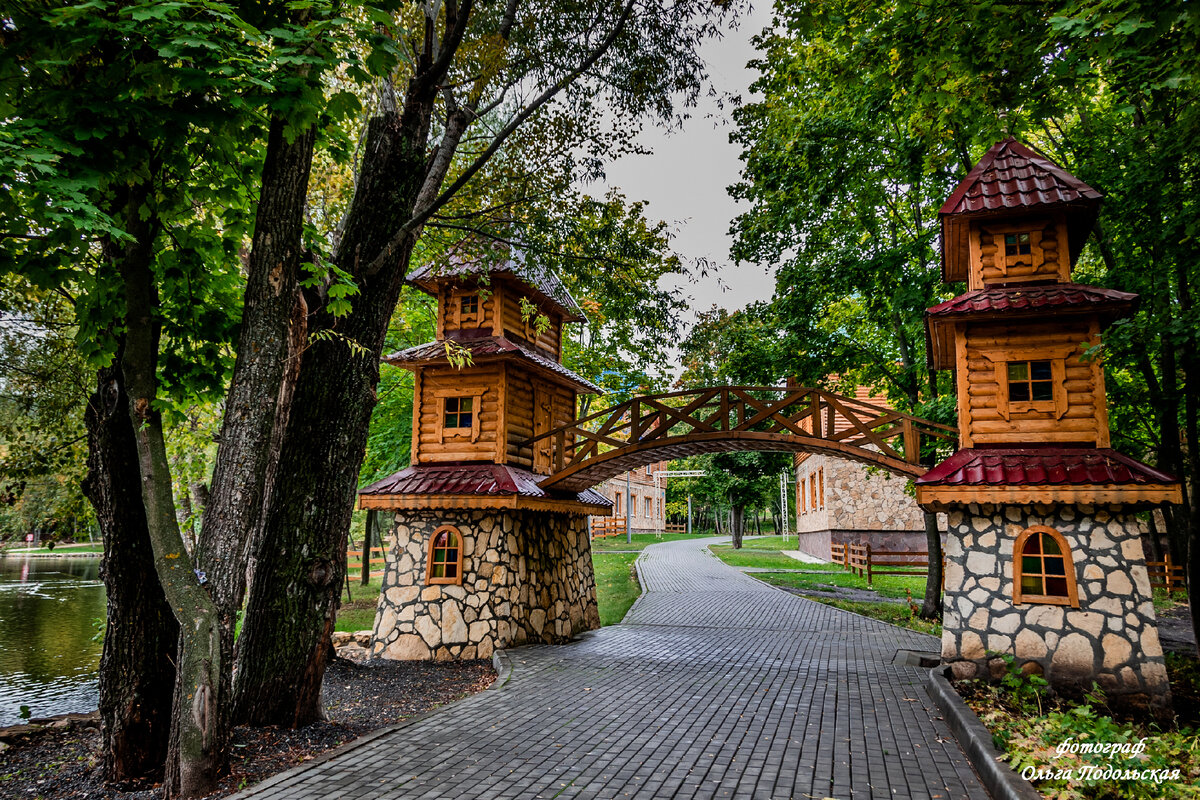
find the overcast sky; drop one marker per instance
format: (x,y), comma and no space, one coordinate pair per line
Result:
(684,181)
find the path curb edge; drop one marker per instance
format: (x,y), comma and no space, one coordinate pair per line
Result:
(976,741)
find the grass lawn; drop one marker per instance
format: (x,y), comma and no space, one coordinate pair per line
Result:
(640,541)
(616,585)
(358,614)
(884,585)
(19,549)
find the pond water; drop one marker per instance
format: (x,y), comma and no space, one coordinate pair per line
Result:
(49,609)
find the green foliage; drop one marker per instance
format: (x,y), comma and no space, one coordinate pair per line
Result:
(1030,725)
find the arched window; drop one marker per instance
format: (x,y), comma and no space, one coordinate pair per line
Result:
(1042,568)
(445,556)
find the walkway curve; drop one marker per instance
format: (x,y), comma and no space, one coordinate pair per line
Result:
(714,685)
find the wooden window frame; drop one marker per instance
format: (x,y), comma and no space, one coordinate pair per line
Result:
(457,580)
(1019,597)
(821,486)
(1057,356)
(462,319)
(476,396)
(1037,256)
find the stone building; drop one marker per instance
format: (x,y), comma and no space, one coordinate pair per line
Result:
(844,502)
(482,556)
(646,506)
(1044,558)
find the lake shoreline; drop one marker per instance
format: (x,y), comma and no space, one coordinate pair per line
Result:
(66,554)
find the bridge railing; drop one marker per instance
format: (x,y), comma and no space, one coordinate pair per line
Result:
(796,411)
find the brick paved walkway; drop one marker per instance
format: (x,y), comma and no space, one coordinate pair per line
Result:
(715,685)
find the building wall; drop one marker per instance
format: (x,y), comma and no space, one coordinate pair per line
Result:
(854,506)
(641,490)
(527,577)
(1111,637)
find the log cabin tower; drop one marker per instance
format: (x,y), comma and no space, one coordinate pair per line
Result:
(1044,558)
(482,557)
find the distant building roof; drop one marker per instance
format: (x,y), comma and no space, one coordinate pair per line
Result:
(496,480)
(1013,301)
(486,348)
(540,279)
(1012,179)
(1048,466)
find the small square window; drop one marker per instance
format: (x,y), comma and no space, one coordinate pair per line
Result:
(459,412)
(1017,244)
(1030,381)
(469,305)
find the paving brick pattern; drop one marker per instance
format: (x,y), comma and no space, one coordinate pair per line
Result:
(714,686)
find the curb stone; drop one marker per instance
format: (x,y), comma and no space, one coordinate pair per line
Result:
(503,666)
(976,741)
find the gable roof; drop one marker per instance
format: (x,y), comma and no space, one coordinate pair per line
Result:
(1012,179)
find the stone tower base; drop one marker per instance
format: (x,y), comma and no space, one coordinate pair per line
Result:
(527,577)
(1110,639)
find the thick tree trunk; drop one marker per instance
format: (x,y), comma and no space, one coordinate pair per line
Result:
(298,577)
(258,393)
(137,667)
(192,764)
(736,518)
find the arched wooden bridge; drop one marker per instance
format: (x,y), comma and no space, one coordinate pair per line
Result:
(724,418)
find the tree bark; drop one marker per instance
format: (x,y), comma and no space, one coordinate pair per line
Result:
(931,608)
(137,669)
(258,393)
(297,581)
(735,526)
(192,764)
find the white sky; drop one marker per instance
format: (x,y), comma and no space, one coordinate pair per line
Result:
(684,180)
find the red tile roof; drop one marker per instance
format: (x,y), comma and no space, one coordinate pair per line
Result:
(1036,299)
(1050,466)
(1012,180)
(490,346)
(1010,175)
(474,479)
(1004,302)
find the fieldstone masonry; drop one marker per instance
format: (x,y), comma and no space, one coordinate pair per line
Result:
(527,577)
(1112,638)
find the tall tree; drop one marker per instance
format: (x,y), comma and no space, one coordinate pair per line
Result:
(471,64)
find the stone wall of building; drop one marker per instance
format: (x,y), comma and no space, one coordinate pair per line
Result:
(857,507)
(1111,638)
(527,577)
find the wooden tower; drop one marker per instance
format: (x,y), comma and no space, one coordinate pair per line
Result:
(1044,553)
(483,556)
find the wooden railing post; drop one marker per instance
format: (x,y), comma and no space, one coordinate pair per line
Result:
(869,573)
(912,442)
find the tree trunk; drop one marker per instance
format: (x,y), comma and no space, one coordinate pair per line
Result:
(192,765)
(297,582)
(735,525)
(137,668)
(368,542)
(931,608)
(258,393)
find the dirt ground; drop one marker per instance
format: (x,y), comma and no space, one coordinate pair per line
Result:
(56,764)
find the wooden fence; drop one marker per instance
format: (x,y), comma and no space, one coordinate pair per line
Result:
(607,526)
(1166,575)
(862,561)
(354,563)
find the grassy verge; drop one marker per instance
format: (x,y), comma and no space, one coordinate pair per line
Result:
(1028,724)
(616,585)
(59,549)
(358,614)
(640,541)
(892,613)
(884,585)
